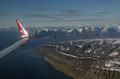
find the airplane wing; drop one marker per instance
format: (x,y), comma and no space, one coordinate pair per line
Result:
(9,49)
(24,36)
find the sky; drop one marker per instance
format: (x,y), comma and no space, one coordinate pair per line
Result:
(59,12)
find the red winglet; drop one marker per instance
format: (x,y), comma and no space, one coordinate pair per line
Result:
(23,32)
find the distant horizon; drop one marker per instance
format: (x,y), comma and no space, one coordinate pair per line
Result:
(59,12)
(69,26)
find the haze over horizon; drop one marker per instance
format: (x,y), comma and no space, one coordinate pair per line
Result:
(54,12)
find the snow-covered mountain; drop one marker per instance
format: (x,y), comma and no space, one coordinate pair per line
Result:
(78,32)
(103,48)
(106,52)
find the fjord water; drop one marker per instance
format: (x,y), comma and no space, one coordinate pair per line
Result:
(24,63)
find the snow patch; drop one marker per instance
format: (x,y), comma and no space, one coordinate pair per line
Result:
(68,31)
(117,42)
(45,29)
(105,29)
(103,52)
(109,64)
(79,30)
(54,29)
(95,51)
(113,54)
(80,46)
(86,28)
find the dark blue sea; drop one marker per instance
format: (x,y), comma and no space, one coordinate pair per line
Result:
(23,62)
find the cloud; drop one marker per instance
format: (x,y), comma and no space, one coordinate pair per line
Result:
(3,14)
(64,14)
(53,20)
(45,16)
(77,13)
(104,12)
(61,18)
(39,15)
(41,9)
(71,12)
(89,20)
(73,20)
(67,15)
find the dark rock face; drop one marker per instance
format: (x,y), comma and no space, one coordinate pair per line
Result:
(78,67)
